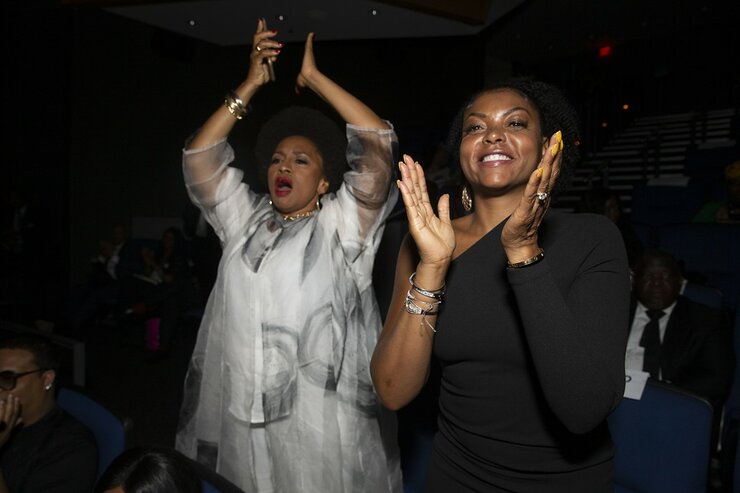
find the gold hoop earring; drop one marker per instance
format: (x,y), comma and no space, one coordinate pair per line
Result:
(467,200)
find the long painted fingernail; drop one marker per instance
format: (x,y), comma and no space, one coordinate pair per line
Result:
(558,142)
(406,156)
(539,171)
(398,183)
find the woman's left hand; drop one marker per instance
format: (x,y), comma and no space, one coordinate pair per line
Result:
(308,67)
(519,235)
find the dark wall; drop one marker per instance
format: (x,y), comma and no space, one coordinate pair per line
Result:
(125,96)
(99,105)
(690,70)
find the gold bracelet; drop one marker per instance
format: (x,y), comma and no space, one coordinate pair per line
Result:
(235,105)
(529,261)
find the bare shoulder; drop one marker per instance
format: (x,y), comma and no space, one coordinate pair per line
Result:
(464,236)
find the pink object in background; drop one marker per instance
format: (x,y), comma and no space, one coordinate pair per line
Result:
(151,336)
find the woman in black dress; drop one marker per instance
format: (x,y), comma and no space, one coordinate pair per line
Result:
(526,311)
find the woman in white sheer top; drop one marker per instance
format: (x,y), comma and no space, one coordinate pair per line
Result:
(278,395)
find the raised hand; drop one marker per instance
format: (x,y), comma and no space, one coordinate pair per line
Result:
(434,236)
(264,49)
(520,231)
(308,67)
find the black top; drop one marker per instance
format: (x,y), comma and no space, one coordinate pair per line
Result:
(533,358)
(57,454)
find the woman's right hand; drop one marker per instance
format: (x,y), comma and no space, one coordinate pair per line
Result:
(433,235)
(264,48)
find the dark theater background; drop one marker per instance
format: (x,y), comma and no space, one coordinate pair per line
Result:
(99,95)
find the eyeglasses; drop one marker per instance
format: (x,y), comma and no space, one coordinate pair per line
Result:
(8,379)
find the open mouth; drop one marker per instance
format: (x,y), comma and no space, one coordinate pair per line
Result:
(495,158)
(283,186)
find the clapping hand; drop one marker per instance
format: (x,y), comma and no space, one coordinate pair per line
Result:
(308,67)
(520,231)
(434,236)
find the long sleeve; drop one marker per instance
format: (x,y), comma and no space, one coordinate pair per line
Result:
(577,335)
(366,197)
(216,188)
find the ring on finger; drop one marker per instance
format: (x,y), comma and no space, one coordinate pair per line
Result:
(542,196)
(257,48)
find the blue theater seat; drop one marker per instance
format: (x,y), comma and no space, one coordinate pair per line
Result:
(662,441)
(657,205)
(111,434)
(709,249)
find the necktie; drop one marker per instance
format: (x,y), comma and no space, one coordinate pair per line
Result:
(650,340)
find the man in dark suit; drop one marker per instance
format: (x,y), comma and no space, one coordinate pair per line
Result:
(677,340)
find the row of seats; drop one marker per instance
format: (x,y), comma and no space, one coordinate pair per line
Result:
(706,250)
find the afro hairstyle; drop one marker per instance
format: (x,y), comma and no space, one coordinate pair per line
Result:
(555,113)
(311,124)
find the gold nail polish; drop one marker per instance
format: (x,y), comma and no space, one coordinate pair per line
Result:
(539,171)
(559,136)
(555,150)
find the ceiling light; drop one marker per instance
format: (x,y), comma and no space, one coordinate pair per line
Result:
(191,23)
(373,12)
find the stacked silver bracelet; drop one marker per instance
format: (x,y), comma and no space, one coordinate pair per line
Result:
(412,303)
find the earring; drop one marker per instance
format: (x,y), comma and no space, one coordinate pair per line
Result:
(48,386)
(467,200)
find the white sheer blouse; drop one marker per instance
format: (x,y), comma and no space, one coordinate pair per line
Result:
(284,348)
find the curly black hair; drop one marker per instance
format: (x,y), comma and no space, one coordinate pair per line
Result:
(555,113)
(313,125)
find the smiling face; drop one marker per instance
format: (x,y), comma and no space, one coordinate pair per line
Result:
(295,176)
(502,142)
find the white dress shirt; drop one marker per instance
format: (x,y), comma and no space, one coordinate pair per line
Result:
(636,353)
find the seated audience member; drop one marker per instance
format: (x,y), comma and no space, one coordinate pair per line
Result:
(601,200)
(727,210)
(163,289)
(673,338)
(117,258)
(42,448)
(149,470)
